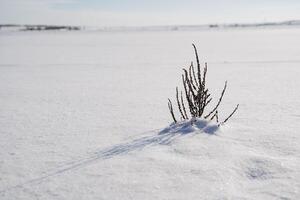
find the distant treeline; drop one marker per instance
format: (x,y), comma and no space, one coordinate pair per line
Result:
(19,27)
(40,27)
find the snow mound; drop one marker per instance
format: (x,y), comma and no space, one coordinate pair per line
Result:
(193,125)
(164,137)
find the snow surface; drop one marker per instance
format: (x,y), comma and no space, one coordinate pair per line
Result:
(82,116)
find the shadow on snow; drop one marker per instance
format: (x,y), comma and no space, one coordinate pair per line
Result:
(164,137)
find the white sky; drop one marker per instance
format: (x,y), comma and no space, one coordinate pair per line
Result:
(143,13)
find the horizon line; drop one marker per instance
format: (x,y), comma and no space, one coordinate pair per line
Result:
(166,25)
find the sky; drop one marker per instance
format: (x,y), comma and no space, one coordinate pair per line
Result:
(146,12)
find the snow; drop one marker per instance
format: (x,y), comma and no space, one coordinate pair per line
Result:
(83,115)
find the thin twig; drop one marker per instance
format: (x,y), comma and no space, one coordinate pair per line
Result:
(171,110)
(188,99)
(191,78)
(194,76)
(220,99)
(198,65)
(178,103)
(230,114)
(183,107)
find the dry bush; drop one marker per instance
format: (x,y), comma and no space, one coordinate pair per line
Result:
(197,96)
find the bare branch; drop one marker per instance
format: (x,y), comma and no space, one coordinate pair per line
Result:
(204,75)
(220,99)
(197,96)
(189,83)
(171,110)
(178,103)
(183,107)
(230,114)
(198,65)
(194,75)
(191,78)
(188,98)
